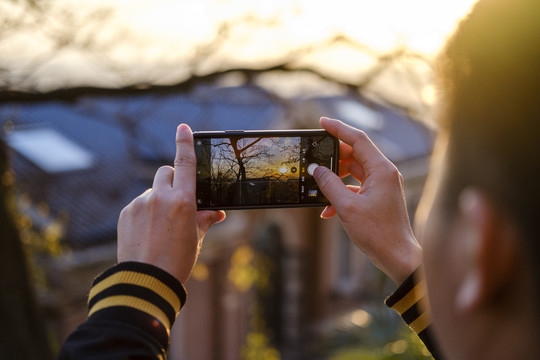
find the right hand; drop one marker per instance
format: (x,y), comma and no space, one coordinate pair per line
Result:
(374,214)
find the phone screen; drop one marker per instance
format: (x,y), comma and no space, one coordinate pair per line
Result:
(260,169)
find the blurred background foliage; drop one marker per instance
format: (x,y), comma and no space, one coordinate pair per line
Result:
(23,333)
(372,332)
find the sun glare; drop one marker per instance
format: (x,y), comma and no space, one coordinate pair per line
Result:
(275,27)
(164,33)
(421,25)
(384,24)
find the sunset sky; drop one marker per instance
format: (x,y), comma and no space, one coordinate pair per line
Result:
(273,157)
(164,41)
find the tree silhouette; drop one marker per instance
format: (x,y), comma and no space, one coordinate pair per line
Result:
(246,168)
(236,153)
(243,154)
(92,35)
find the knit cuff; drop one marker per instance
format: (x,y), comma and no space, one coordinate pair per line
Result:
(140,294)
(410,302)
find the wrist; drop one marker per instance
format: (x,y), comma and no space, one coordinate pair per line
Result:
(407,261)
(403,259)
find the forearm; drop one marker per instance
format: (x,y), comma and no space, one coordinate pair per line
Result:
(132,307)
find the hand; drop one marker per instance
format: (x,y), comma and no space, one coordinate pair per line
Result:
(374,214)
(162,226)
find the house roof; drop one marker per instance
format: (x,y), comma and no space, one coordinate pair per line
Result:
(121,134)
(127,134)
(397,135)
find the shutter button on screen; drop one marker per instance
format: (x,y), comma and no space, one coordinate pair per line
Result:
(311,168)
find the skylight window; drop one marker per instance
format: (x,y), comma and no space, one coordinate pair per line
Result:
(360,115)
(50,150)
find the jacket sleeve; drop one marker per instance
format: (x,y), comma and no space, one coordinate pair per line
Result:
(132,307)
(410,302)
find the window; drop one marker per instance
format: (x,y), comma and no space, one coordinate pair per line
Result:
(50,150)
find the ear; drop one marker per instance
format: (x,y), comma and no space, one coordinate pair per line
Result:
(492,250)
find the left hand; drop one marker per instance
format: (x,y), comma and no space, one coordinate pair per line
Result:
(162,226)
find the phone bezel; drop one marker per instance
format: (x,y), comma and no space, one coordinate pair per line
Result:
(270,133)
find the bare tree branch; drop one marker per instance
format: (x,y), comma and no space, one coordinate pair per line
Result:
(69,35)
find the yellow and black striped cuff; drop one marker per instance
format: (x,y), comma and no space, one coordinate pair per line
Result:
(410,301)
(129,288)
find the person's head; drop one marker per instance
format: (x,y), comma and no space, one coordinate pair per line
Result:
(482,235)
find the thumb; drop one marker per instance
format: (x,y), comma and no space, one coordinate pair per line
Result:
(331,186)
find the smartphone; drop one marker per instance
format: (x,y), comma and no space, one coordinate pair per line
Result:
(262,169)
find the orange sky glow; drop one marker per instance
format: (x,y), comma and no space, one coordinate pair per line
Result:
(164,35)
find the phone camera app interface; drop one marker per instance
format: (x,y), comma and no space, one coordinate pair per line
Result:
(259,171)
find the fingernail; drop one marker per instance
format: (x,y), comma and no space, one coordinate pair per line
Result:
(182,128)
(323,212)
(326,118)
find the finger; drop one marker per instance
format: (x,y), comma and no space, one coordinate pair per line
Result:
(328,212)
(345,151)
(346,155)
(365,151)
(163,178)
(348,165)
(207,218)
(134,203)
(357,171)
(184,161)
(351,167)
(331,186)
(344,169)
(144,194)
(221,216)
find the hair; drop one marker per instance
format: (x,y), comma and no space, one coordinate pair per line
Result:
(490,112)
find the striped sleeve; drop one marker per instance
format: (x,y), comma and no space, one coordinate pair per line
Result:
(140,294)
(410,302)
